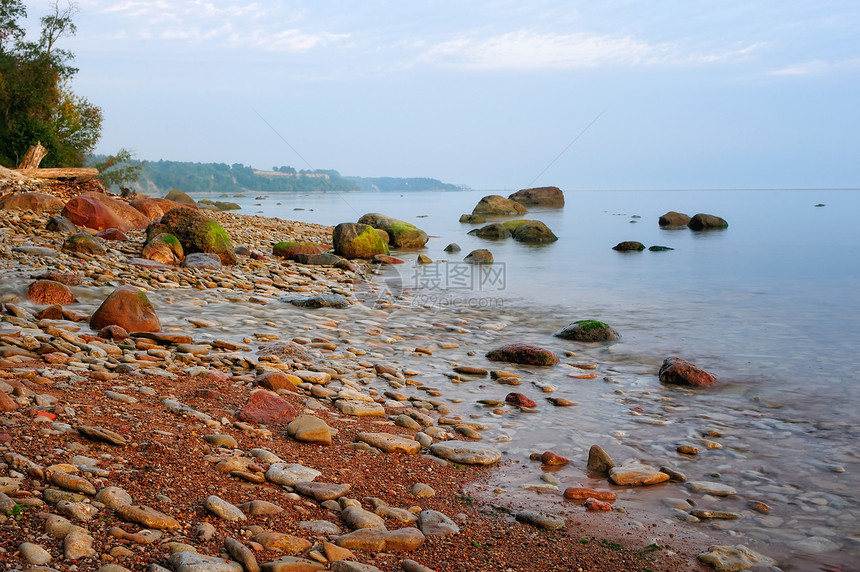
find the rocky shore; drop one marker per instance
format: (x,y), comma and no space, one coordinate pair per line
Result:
(274,423)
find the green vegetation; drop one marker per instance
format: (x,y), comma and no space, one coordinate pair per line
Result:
(119,169)
(591,325)
(37,104)
(399,184)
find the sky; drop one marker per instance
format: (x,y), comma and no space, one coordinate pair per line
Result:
(615,94)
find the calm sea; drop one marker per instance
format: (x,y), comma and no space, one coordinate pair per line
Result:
(771,305)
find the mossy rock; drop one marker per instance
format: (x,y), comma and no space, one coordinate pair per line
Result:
(289,250)
(588,331)
(164,248)
(83,243)
(401,234)
(629,246)
(196,233)
(703,221)
(522,353)
(535,232)
(356,240)
(479,256)
(495,231)
(657,248)
(179,197)
(513,225)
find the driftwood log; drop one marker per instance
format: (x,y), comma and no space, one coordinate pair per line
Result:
(33,157)
(62,174)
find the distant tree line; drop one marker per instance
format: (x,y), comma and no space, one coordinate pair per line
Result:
(401,184)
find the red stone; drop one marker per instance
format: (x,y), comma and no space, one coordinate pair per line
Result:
(218,376)
(53,312)
(7,403)
(31,201)
(129,308)
(113,332)
(45,414)
(679,371)
(580,493)
(275,380)
(153,208)
(49,292)
(289,250)
(597,506)
(112,234)
(550,458)
(519,400)
(386,259)
(86,211)
(267,407)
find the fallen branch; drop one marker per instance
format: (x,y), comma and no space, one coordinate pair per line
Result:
(68,174)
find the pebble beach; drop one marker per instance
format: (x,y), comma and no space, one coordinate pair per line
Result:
(291,417)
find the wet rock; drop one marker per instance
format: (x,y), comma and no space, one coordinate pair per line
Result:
(127,307)
(61,224)
(679,371)
(473,219)
(708,488)
(708,514)
(479,256)
(629,246)
(286,351)
(553,459)
(83,243)
(637,474)
(498,205)
(540,519)
(47,292)
(466,452)
(453,247)
(401,234)
(390,443)
(673,219)
(165,249)
(588,331)
(495,231)
(732,558)
(275,380)
(519,400)
(321,301)
(354,240)
(310,429)
(657,248)
(387,259)
(533,232)
(550,197)
(583,493)
(523,353)
(596,505)
(707,222)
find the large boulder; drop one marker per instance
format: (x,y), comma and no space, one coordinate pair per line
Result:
(706,222)
(588,331)
(523,353)
(84,243)
(679,371)
(165,249)
(196,232)
(494,231)
(401,234)
(88,212)
(180,197)
(673,219)
(289,250)
(357,240)
(153,208)
(539,197)
(133,218)
(499,206)
(129,308)
(534,231)
(31,201)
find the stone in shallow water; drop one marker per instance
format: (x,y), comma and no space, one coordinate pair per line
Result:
(716,489)
(466,452)
(599,460)
(540,519)
(321,301)
(522,353)
(732,558)
(636,474)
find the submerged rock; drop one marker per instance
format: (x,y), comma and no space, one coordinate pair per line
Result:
(473,219)
(534,231)
(495,231)
(679,371)
(629,246)
(588,331)
(673,219)
(466,452)
(733,558)
(479,256)
(539,196)
(707,222)
(401,234)
(524,354)
(499,206)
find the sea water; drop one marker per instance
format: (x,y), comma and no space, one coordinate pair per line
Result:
(771,305)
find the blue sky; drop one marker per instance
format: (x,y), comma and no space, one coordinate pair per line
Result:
(694,94)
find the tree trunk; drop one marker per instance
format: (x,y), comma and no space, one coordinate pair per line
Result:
(68,174)
(33,157)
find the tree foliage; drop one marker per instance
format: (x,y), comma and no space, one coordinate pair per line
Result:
(36,100)
(119,169)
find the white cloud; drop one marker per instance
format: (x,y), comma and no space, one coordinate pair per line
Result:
(816,67)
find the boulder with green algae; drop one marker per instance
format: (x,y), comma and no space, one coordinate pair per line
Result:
(84,243)
(357,240)
(196,232)
(164,248)
(401,234)
(588,331)
(533,231)
(494,231)
(289,250)
(629,246)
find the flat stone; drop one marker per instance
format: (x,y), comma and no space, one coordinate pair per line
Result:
(292,564)
(360,408)
(188,561)
(73,483)
(390,443)
(287,474)
(101,434)
(466,452)
(322,491)
(706,514)
(221,441)
(732,558)
(583,493)
(282,542)
(407,538)
(435,523)
(310,429)
(223,509)
(708,488)
(267,407)
(636,474)
(260,507)
(147,516)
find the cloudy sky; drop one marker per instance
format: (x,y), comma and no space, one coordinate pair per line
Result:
(490,93)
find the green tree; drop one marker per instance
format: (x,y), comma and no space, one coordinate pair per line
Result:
(119,169)
(36,101)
